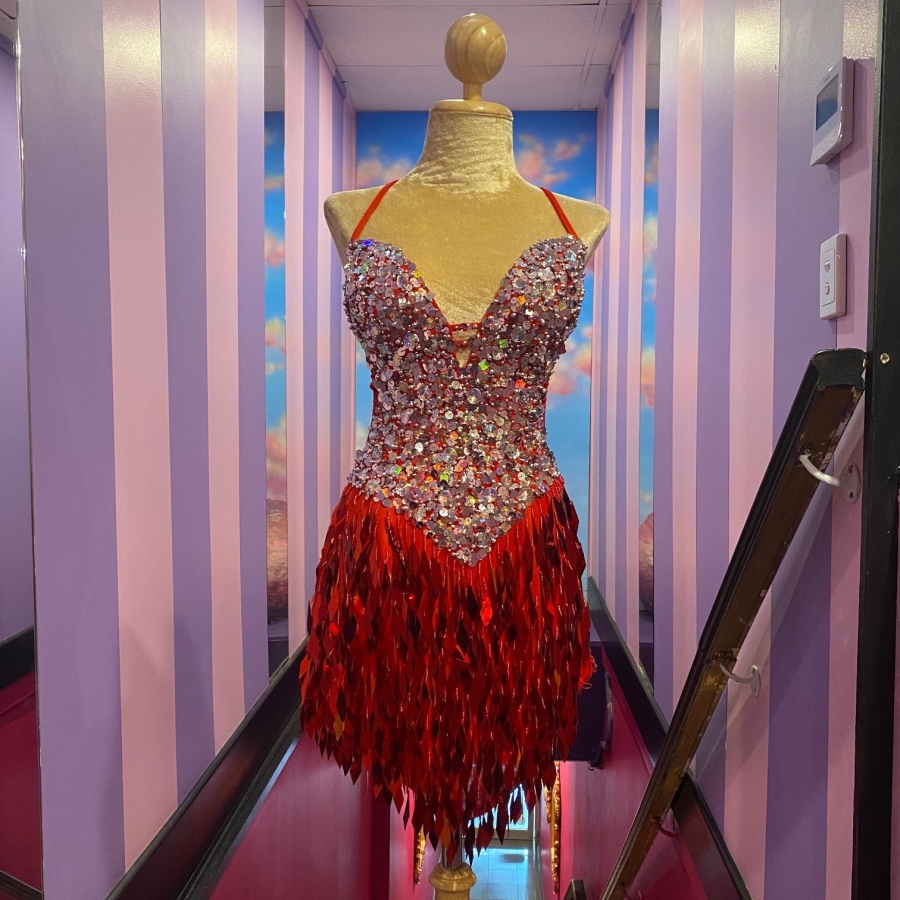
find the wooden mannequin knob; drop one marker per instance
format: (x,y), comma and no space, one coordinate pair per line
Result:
(474,50)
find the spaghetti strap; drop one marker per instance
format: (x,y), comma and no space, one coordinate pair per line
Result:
(372,206)
(559,211)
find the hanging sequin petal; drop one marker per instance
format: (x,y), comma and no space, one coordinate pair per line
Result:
(451,724)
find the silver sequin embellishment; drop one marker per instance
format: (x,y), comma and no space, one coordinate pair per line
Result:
(461,449)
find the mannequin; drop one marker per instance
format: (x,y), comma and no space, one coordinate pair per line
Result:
(463,216)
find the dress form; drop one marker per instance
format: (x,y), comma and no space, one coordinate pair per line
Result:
(464,215)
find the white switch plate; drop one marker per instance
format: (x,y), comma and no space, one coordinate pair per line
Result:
(833,277)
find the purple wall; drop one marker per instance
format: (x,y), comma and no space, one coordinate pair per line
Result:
(128,686)
(184,149)
(742,215)
(66,213)
(144,188)
(16,561)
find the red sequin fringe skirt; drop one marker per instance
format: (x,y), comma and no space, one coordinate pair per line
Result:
(454,686)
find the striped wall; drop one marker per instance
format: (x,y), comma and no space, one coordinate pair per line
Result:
(741,218)
(319,125)
(614,492)
(143,123)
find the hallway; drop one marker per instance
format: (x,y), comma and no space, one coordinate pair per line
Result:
(511,872)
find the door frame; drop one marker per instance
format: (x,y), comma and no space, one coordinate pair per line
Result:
(874,762)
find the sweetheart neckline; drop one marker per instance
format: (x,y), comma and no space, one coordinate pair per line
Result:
(435,306)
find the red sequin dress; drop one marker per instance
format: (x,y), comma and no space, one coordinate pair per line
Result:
(448,631)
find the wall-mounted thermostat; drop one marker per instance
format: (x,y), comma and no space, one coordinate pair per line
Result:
(833,277)
(833,120)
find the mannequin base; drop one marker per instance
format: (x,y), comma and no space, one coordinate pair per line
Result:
(451,884)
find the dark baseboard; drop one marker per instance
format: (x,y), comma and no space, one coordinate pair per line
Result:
(592,724)
(16,657)
(12,887)
(185,848)
(278,653)
(715,866)
(637,689)
(207,875)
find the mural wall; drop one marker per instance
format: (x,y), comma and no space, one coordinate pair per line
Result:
(309,349)
(146,211)
(147,404)
(319,146)
(622,440)
(741,217)
(557,150)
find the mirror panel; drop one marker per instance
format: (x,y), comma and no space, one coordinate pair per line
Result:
(20,837)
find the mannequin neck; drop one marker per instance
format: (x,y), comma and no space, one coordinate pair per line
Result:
(471,151)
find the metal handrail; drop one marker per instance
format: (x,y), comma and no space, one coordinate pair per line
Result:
(828,394)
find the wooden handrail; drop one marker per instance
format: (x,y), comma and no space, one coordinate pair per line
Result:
(828,394)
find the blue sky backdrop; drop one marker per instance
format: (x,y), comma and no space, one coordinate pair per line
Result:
(648,311)
(276,386)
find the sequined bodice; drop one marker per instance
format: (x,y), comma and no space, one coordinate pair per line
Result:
(461,448)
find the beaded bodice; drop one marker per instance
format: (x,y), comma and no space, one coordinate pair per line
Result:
(460,446)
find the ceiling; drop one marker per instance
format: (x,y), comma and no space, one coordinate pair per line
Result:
(654,28)
(391,57)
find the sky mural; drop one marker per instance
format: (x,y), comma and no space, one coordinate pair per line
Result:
(557,150)
(276,383)
(648,354)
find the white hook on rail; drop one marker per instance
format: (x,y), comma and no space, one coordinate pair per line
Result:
(754,680)
(807,464)
(849,482)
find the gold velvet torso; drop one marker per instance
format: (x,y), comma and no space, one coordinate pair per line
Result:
(463,215)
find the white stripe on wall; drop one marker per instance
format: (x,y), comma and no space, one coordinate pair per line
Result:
(222,364)
(752,367)
(325,341)
(294,165)
(137,264)
(348,342)
(612,355)
(635,292)
(684,376)
(597,363)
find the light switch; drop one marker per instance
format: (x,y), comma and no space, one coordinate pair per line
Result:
(833,277)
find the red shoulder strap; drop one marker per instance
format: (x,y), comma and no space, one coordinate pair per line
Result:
(372,207)
(563,218)
(559,211)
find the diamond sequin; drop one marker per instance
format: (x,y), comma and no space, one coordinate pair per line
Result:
(445,434)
